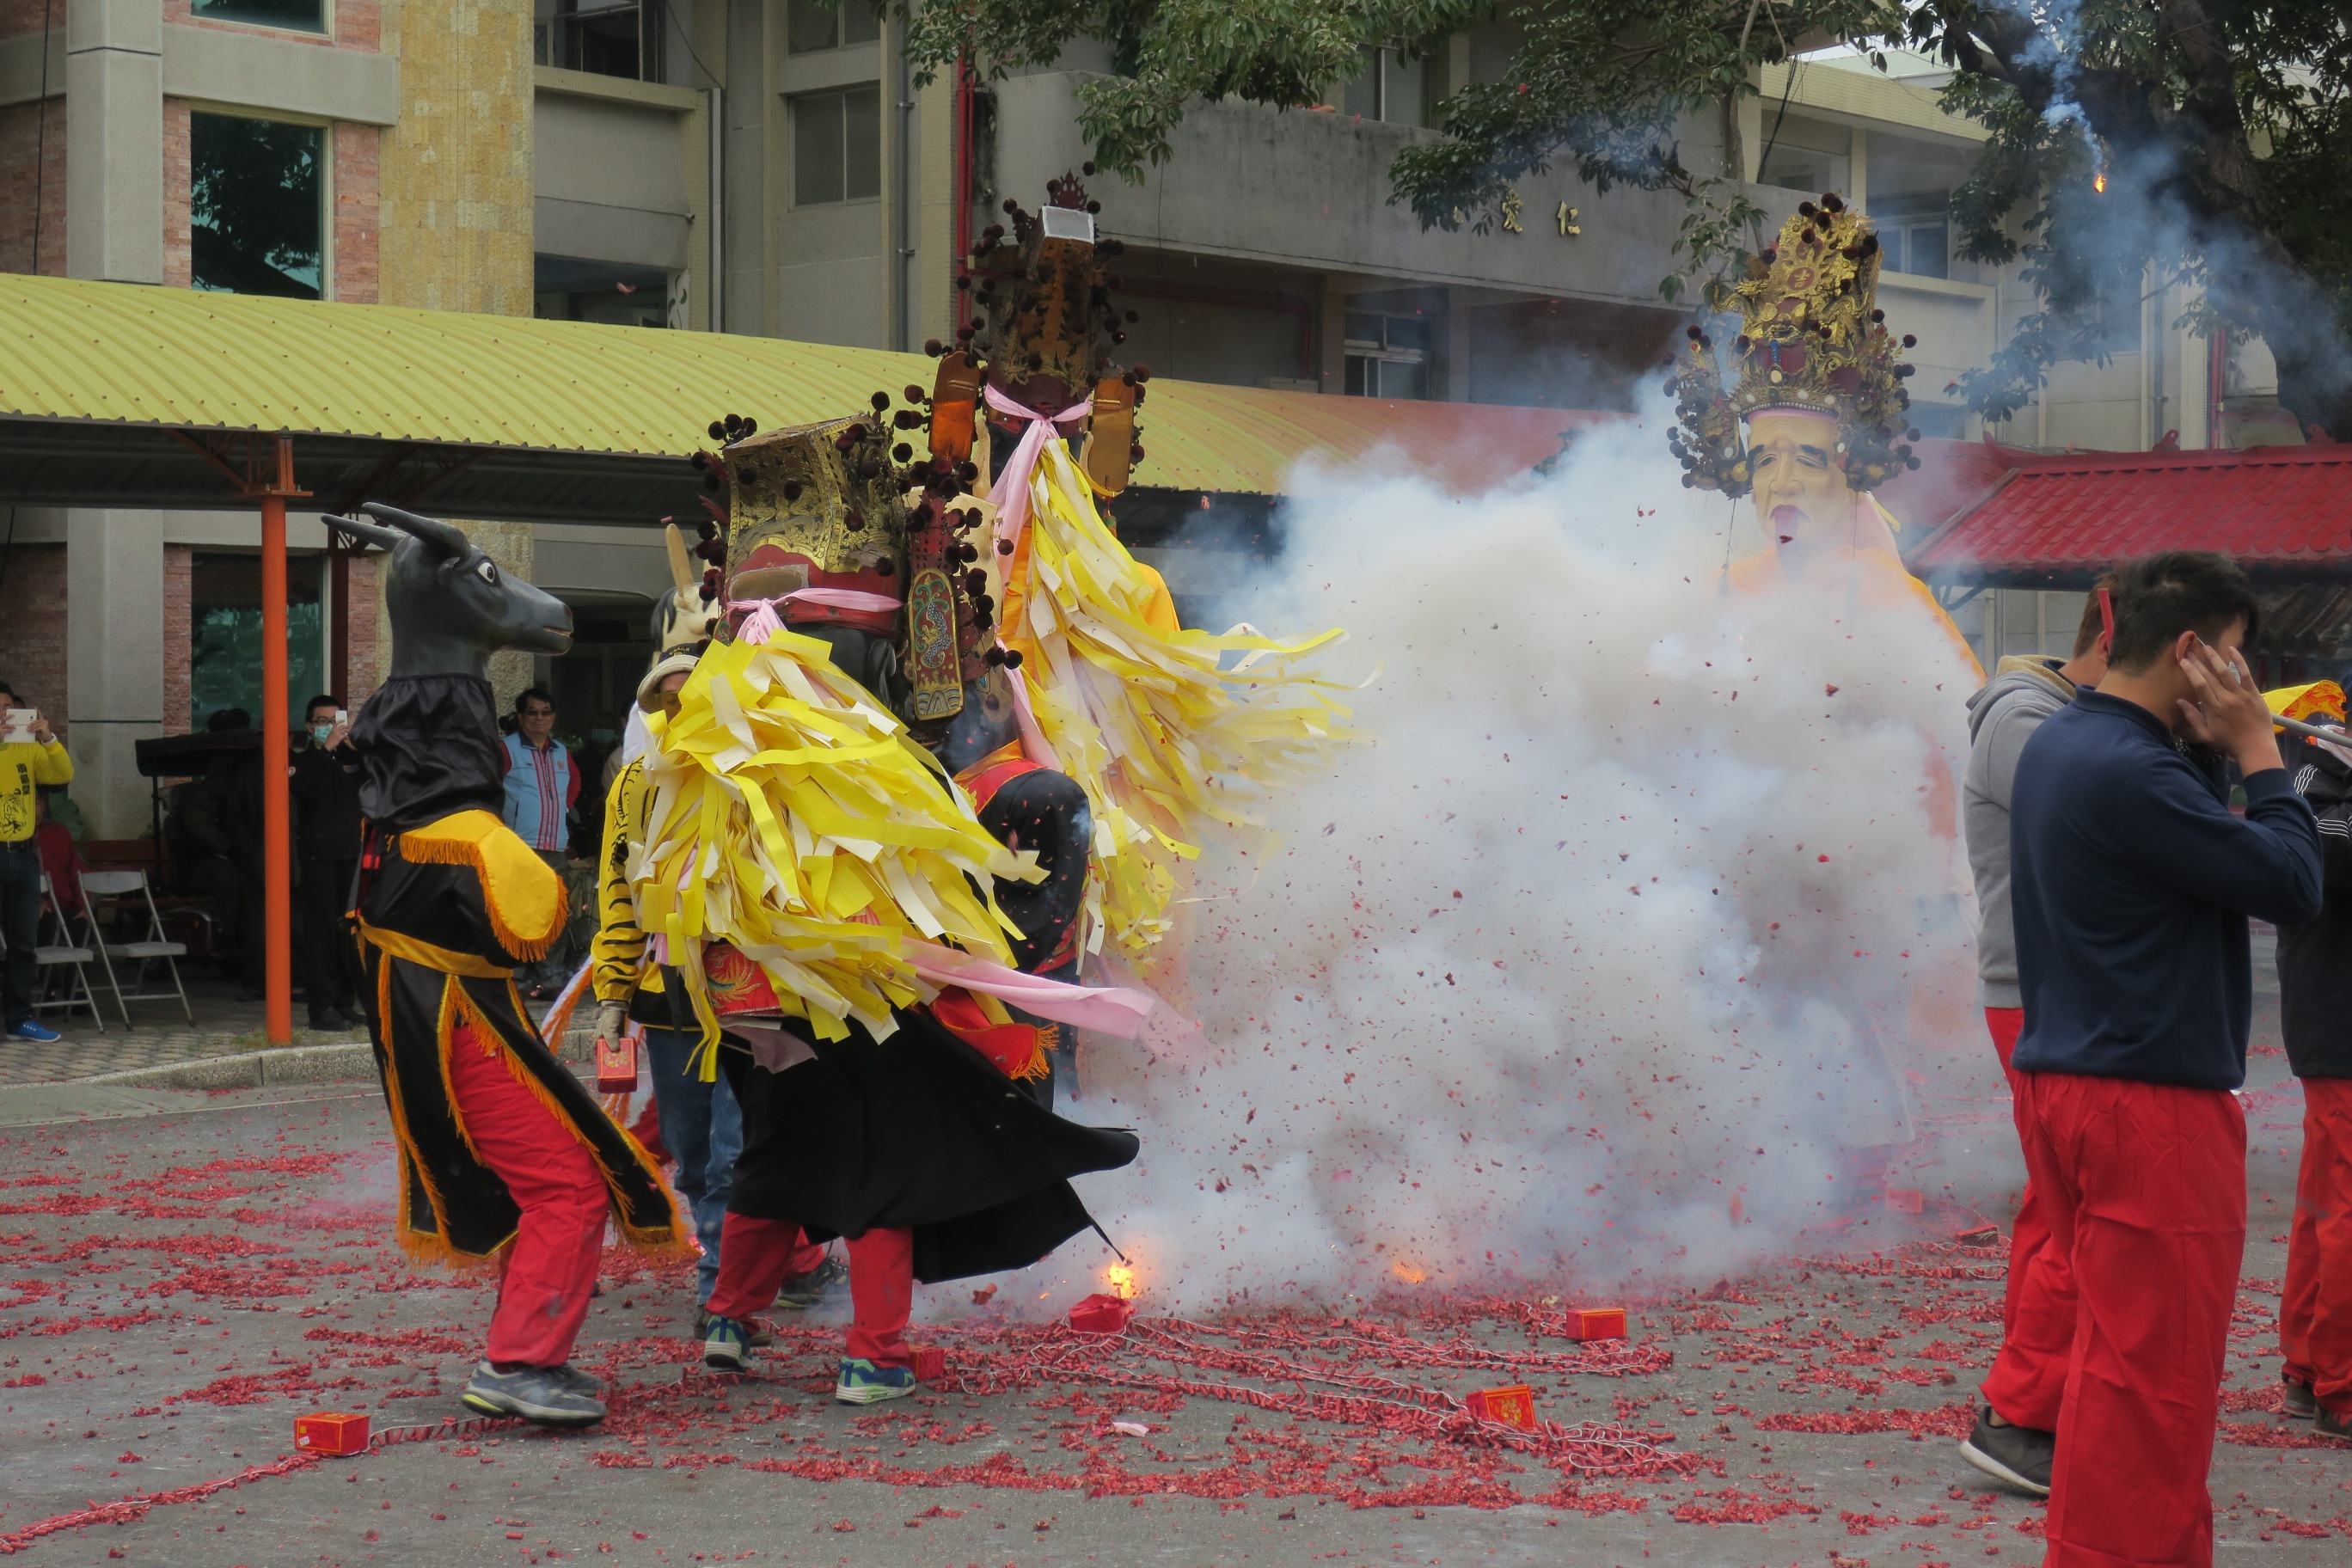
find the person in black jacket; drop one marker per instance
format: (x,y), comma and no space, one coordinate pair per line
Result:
(326,795)
(2132,881)
(2316,1311)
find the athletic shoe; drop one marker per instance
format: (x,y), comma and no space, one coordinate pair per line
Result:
(578,1382)
(29,1031)
(800,1294)
(726,1345)
(862,1383)
(2298,1400)
(2018,1454)
(543,1394)
(2333,1424)
(758,1332)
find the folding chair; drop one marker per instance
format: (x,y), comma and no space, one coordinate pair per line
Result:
(155,945)
(48,956)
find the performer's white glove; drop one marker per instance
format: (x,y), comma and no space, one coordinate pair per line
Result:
(612,1020)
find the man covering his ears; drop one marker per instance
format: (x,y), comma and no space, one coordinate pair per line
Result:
(2132,882)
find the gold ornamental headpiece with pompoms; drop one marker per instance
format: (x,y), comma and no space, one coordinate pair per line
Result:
(1813,341)
(1044,342)
(816,522)
(841,523)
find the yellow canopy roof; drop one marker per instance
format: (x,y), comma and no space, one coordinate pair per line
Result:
(121,356)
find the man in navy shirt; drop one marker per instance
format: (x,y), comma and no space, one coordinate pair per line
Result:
(2132,881)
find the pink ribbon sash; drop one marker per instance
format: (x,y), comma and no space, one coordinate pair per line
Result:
(763,622)
(1115,1011)
(1010,495)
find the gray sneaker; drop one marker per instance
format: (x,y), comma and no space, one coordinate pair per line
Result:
(578,1382)
(2018,1454)
(800,1294)
(2296,1401)
(548,1395)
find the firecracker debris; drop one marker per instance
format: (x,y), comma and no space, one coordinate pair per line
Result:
(175,1289)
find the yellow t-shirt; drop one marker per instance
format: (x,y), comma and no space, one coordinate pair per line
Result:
(23,766)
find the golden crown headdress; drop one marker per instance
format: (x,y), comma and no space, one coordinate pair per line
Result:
(1813,341)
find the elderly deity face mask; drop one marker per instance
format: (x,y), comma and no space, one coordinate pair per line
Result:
(1797,464)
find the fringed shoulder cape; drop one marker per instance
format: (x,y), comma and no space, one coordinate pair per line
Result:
(451,901)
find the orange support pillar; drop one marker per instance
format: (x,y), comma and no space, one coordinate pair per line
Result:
(277,727)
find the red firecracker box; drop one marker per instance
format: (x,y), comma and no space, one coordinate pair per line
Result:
(617,1066)
(1513,1406)
(332,1432)
(1905,1200)
(1596,1322)
(1100,1314)
(931,1363)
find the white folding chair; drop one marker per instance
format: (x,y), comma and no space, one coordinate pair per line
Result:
(50,956)
(147,949)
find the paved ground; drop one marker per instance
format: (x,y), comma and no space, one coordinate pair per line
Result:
(225,1024)
(183,1274)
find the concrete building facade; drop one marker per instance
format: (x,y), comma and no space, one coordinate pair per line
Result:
(767,167)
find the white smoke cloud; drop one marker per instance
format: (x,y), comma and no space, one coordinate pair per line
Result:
(1598,954)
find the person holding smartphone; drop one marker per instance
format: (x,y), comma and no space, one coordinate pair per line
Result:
(2132,882)
(326,793)
(26,765)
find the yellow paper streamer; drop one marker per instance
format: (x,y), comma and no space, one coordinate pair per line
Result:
(1165,732)
(792,817)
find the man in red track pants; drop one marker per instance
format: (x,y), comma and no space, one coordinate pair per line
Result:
(2132,882)
(2014,1435)
(2315,1316)
(757,1255)
(550,1272)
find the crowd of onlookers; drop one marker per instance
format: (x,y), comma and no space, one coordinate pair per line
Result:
(210,869)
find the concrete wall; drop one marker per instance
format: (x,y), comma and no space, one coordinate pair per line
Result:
(1310,190)
(609,169)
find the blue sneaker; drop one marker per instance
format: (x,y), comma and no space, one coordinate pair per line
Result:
(726,1345)
(29,1031)
(862,1383)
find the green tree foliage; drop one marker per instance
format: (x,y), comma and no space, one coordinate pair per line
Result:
(2223,129)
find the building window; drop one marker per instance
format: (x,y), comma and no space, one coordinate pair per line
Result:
(1808,155)
(565,289)
(1916,230)
(300,15)
(1392,86)
(224,636)
(1388,356)
(256,206)
(811,27)
(605,39)
(836,146)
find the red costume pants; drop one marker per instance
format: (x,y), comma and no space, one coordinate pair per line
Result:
(550,1271)
(2315,1319)
(2037,1318)
(756,1255)
(2145,1188)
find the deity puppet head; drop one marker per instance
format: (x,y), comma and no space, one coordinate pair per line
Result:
(1045,341)
(1817,407)
(838,532)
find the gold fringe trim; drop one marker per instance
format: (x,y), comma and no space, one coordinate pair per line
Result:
(520,892)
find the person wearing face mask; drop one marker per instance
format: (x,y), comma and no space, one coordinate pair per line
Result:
(326,795)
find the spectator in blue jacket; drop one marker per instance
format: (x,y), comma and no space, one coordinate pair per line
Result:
(543,787)
(2132,881)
